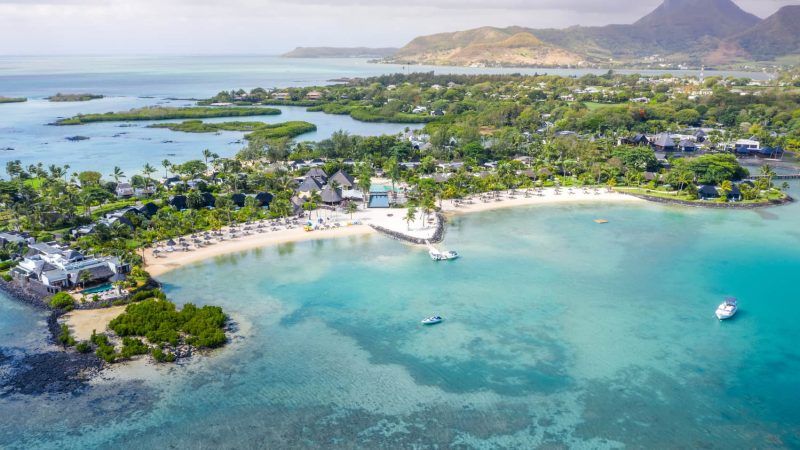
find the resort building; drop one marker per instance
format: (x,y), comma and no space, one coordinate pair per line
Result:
(314,95)
(343,180)
(124,190)
(308,187)
(664,143)
(50,268)
(15,238)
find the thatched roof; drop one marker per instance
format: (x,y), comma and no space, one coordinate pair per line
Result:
(343,179)
(330,195)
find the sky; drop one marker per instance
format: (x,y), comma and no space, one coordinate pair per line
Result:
(30,27)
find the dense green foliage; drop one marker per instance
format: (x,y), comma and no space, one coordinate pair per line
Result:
(105,350)
(83,347)
(161,356)
(73,97)
(162,113)
(258,129)
(62,300)
(64,337)
(711,169)
(160,322)
(507,105)
(12,99)
(132,347)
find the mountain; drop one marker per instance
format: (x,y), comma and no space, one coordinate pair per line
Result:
(677,31)
(695,19)
(340,52)
(512,46)
(777,35)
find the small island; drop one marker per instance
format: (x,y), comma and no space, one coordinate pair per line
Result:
(255,129)
(74,97)
(12,99)
(165,113)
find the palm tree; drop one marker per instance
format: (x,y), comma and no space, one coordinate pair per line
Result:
(166,164)
(117,174)
(148,170)
(768,173)
(315,200)
(411,216)
(206,155)
(351,209)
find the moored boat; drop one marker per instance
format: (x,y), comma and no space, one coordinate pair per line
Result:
(437,255)
(432,320)
(727,309)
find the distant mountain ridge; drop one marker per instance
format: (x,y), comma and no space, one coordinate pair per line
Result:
(340,52)
(677,31)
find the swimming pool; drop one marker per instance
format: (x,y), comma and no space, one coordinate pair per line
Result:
(97,289)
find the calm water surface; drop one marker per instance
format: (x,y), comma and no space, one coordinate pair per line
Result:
(558,331)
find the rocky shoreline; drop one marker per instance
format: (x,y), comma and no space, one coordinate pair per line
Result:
(46,372)
(713,205)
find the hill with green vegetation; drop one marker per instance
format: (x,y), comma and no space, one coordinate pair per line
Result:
(775,36)
(677,32)
(512,46)
(165,113)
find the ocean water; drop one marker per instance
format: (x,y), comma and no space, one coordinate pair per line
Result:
(130,82)
(558,333)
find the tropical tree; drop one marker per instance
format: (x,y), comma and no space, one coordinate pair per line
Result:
(148,170)
(364,180)
(117,174)
(166,165)
(411,216)
(351,209)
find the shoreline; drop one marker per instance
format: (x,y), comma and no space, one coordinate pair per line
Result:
(370,224)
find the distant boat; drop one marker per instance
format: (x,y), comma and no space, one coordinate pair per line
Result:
(433,320)
(727,309)
(436,255)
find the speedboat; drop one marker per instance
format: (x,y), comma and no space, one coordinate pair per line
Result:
(436,255)
(433,320)
(727,309)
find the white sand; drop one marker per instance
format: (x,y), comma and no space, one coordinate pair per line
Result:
(548,197)
(82,322)
(392,219)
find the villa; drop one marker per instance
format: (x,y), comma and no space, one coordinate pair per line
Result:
(15,238)
(124,190)
(664,143)
(314,95)
(50,268)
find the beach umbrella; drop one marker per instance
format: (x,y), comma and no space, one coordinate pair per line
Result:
(170,242)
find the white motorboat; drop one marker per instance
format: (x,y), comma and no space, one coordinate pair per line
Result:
(727,309)
(433,320)
(436,255)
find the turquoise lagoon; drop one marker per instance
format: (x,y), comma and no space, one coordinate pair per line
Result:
(558,333)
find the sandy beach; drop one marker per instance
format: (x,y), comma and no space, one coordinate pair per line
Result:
(547,197)
(391,219)
(83,321)
(159,265)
